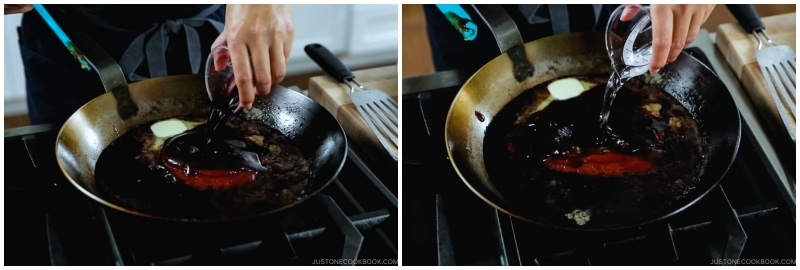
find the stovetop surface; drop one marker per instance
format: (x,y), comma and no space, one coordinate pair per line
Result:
(747,217)
(353,221)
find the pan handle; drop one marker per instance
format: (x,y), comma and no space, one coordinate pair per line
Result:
(502,26)
(329,62)
(747,17)
(110,74)
(508,38)
(107,69)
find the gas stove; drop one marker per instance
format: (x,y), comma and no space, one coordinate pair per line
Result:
(748,219)
(49,222)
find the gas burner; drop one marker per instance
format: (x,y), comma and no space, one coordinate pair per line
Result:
(352,221)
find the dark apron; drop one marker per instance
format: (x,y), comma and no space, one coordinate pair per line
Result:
(56,86)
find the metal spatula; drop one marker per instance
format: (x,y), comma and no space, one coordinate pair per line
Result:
(777,62)
(377,108)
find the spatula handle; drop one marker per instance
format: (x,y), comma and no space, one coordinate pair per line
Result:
(747,17)
(329,62)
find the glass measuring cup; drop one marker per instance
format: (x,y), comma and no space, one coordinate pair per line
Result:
(221,88)
(220,81)
(629,39)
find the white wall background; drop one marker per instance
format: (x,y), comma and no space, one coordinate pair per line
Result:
(361,35)
(13,75)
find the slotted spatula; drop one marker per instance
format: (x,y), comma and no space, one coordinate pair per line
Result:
(377,108)
(777,63)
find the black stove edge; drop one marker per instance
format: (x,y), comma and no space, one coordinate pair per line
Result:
(437,80)
(26,130)
(352,224)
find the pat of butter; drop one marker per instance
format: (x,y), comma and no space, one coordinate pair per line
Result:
(168,128)
(565,88)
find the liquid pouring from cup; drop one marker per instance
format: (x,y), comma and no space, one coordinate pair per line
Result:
(221,88)
(629,39)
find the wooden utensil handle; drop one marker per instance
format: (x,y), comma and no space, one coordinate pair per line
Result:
(329,62)
(747,17)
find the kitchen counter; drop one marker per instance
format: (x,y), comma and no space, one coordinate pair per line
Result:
(774,158)
(736,50)
(739,49)
(333,96)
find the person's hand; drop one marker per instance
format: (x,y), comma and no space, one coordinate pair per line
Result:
(674,27)
(16,8)
(260,40)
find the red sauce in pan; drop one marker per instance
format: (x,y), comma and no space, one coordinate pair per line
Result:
(247,169)
(212,164)
(557,160)
(602,163)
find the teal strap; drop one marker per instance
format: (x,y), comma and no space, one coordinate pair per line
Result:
(62,36)
(460,20)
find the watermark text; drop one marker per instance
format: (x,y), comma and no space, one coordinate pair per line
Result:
(354,262)
(753,261)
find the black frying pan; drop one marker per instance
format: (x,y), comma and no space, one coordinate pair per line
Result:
(495,85)
(95,125)
(124,106)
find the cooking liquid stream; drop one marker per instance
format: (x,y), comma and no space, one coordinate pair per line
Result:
(221,109)
(230,157)
(615,82)
(628,43)
(211,159)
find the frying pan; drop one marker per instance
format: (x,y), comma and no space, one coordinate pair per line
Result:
(123,107)
(523,66)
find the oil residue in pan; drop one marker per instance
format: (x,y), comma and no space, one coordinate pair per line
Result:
(133,172)
(549,157)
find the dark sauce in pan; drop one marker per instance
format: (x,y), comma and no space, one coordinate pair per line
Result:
(247,169)
(556,164)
